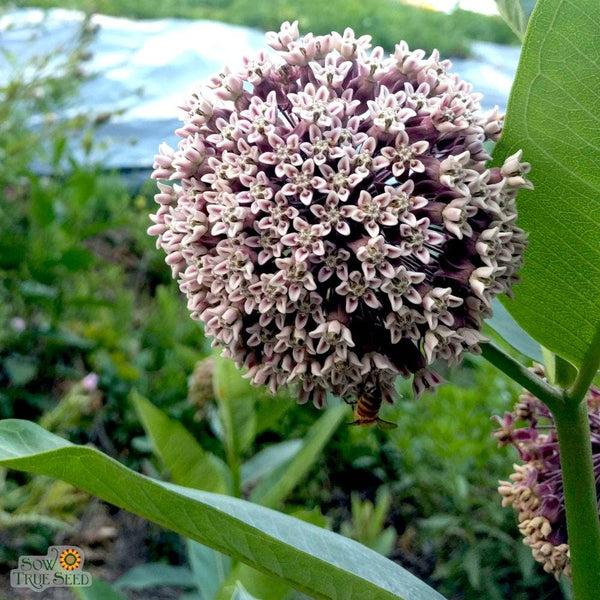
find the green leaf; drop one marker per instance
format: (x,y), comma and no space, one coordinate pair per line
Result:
(99,590)
(152,575)
(64,337)
(317,562)
(41,208)
(261,584)
(553,117)
(34,289)
(512,333)
(59,145)
(566,588)
(236,398)
(13,250)
(255,582)
(471,562)
(512,12)
(185,459)
(313,515)
(273,489)
(526,562)
(77,259)
(240,593)
(270,409)
(210,568)
(516,13)
(267,460)
(81,185)
(20,369)
(558,371)
(386,541)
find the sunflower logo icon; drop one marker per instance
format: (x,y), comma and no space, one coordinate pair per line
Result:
(69,559)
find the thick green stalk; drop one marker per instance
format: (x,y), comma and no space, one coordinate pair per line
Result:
(572,426)
(588,370)
(521,374)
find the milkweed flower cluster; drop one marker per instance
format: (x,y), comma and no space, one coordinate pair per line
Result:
(330,218)
(535,489)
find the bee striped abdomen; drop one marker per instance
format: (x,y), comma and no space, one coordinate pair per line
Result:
(367,408)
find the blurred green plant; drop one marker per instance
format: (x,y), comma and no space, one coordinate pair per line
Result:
(31,514)
(81,290)
(82,294)
(368,522)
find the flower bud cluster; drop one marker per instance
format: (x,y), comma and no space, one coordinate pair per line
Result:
(535,489)
(330,218)
(200,386)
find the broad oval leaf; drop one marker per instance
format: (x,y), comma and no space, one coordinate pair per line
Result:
(553,117)
(313,560)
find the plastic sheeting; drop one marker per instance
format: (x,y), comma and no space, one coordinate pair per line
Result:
(145,68)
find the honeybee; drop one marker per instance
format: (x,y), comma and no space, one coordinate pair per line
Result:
(366,409)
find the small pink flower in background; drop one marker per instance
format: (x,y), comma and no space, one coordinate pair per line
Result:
(90,383)
(18,324)
(330,218)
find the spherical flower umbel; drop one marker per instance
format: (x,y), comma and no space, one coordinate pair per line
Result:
(330,218)
(535,489)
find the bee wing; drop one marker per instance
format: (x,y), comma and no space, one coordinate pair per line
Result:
(386,425)
(363,423)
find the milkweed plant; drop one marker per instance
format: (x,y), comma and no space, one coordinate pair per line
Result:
(339,218)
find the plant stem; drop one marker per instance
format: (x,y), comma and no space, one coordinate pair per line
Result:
(523,376)
(234,467)
(231,449)
(579,485)
(588,370)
